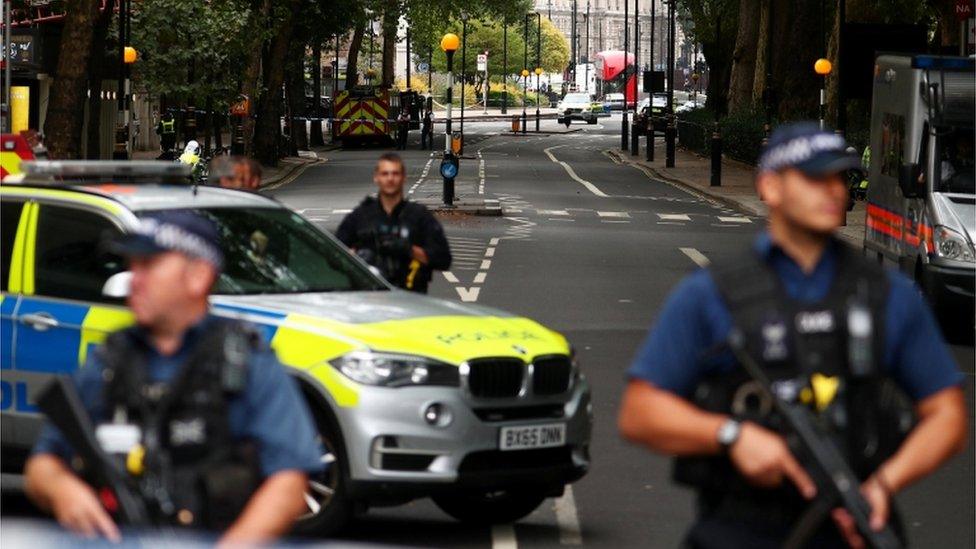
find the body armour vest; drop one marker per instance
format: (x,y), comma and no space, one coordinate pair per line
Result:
(192,472)
(833,346)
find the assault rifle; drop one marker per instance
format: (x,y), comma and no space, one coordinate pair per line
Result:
(62,405)
(837,485)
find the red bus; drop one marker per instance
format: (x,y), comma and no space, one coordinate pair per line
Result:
(611,76)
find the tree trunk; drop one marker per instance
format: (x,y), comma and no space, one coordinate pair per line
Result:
(797,86)
(744,56)
(317,140)
(391,20)
(762,59)
(95,71)
(295,94)
(268,125)
(66,109)
(252,74)
(352,61)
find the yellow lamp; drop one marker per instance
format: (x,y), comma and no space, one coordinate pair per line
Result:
(450,42)
(129,54)
(538,71)
(823,67)
(525,72)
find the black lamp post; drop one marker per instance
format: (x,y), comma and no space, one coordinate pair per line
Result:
(449,164)
(635,131)
(650,103)
(504,67)
(623,120)
(525,69)
(464,63)
(538,66)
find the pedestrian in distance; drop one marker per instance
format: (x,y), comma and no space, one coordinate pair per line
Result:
(213,432)
(427,131)
(166,130)
(403,128)
(399,237)
(855,342)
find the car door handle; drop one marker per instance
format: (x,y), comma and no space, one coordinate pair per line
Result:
(40,321)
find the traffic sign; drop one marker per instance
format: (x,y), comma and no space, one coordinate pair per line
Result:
(964,9)
(482,62)
(423,67)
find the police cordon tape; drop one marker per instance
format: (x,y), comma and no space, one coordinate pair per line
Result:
(488,118)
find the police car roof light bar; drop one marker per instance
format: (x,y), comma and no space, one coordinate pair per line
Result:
(112,170)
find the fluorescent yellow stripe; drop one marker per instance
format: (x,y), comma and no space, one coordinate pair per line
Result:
(302,349)
(100,321)
(10,161)
(16,277)
(71,196)
(30,246)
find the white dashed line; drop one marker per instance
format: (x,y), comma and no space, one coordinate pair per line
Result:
(613,214)
(503,537)
(490,252)
(485,265)
(480,278)
(338,212)
(423,175)
(552,212)
(615,221)
(736,219)
(494,241)
(696,256)
(568,519)
(449,276)
(674,217)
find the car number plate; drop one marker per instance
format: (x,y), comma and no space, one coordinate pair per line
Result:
(532,436)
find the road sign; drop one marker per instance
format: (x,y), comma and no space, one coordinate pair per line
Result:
(964,9)
(482,62)
(423,67)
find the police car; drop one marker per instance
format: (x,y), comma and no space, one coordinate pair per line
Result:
(484,411)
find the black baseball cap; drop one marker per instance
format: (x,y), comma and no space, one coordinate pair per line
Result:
(805,147)
(171,231)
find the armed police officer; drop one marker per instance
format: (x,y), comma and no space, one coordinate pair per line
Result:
(400,238)
(807,307)
(212,431)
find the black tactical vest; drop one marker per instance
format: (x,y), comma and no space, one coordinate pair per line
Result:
(194,473)
(841,336)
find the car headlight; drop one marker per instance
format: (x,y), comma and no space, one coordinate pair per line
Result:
(949,244)
(395,370)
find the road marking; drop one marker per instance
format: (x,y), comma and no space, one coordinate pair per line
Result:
(561,219)
(485,265)
(481,173)
(449,276)
(613,214)
(589,186)
(490,252)
(614,221)
(552,212)
(503,537)
(423,175)
(494,241)
(468,294)
(696,256)
(344,211)
(735,219)
(568,519)
(670,223)
(674,217)
(480,278)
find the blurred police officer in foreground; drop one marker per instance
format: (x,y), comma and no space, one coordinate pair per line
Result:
(790,295)
(400,238)
(217,420)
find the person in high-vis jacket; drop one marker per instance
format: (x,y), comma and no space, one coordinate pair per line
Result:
(399,237)
(792,296)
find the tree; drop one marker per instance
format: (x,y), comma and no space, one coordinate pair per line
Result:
(714,26)
(65,112)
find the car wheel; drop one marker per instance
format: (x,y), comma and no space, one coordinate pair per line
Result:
(327,505)
(491,507)
(591,121)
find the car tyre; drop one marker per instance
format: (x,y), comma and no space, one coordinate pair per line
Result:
(328,505)
(491,507)
(591,121)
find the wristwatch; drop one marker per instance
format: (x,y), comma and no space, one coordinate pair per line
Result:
(728,433)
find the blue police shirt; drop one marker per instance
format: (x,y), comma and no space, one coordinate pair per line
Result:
(269,411)
(674,356)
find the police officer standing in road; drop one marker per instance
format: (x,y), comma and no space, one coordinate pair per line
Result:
(427,128)
(793,296)
(197,404)
(400,238)
(403,128)
(166,129)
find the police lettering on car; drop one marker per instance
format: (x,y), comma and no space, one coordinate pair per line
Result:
(211,431)
(829,329)
(400,238)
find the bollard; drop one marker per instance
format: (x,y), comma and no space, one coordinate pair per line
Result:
(716,157)
(237,141)
(650,139)
(515,123)
(525,126)
(669,138)
(635,139)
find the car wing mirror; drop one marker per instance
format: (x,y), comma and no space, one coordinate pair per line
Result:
(118,285)
(908,180)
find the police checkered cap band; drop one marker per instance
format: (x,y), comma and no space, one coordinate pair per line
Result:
(799,150)
(172,237)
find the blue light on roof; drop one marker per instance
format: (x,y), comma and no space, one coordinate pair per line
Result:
(939,62)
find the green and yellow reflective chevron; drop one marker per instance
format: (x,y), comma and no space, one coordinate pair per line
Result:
(67,195)
(21,277)
(99,322)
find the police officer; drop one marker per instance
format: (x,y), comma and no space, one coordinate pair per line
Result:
(219,424)
(166,129)
(427,128)
(403,128)
(401,238)
(790,294)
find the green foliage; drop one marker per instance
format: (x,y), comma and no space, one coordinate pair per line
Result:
(742,133)
(192,50)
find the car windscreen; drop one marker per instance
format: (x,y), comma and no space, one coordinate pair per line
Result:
(274,251)
(577,98)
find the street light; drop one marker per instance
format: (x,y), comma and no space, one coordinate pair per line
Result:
(449,164)
(538,65)
(464,62)
(525,70)
(823,67)
(525,93)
